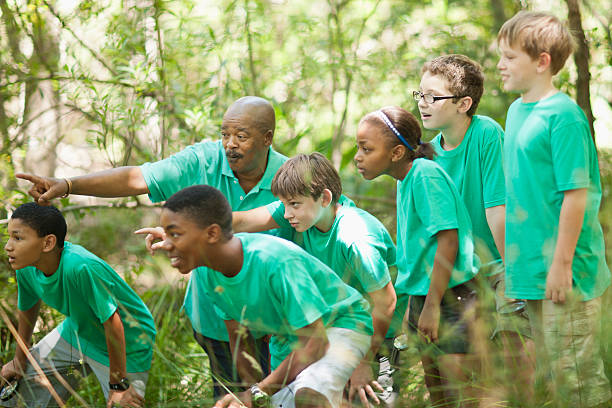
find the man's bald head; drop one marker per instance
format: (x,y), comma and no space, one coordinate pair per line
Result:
(258,110)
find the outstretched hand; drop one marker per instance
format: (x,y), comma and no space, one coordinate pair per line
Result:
(362,384)
(128,398)
(44,189)
(155,238)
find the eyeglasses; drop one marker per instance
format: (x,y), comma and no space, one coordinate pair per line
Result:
(429,98)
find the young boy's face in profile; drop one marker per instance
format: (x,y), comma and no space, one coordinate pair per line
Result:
(24,247)
(440,114)
(303,212)
(185,241)
(516,67)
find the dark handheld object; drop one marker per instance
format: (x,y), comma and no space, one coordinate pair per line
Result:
(9,389)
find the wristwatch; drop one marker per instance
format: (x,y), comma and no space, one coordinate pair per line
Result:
(122,385)
(259,399)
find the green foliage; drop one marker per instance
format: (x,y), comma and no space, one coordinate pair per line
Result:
(139,81)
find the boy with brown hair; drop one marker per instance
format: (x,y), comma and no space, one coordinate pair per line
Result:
(555,256)
(469,149)
(352,242)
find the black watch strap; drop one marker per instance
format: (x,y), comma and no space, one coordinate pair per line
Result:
(122,385)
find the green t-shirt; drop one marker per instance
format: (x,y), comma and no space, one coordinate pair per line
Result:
(428,202)
(206,163)
(358,248)
(548,150)
(476,168)
(88,291)
(281,289)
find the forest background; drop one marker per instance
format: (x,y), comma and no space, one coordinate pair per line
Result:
(86,85)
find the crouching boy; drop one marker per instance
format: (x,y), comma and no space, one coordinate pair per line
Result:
(108,330)
(270,286)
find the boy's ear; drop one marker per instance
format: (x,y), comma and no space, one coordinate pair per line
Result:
(544,60)
(398,152)
(49,243)
(326,197)
(464,104)
(213,233)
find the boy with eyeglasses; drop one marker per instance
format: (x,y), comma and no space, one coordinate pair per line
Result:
(469,149)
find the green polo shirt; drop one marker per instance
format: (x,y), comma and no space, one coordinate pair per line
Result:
(428,202)
(281,288)
(206,163)
(549,150)
(476,168)
(88,291)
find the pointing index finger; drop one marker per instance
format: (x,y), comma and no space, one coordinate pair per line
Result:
(29,177)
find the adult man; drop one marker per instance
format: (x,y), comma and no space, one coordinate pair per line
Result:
(241,165)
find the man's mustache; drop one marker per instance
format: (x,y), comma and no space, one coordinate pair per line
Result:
(233,155)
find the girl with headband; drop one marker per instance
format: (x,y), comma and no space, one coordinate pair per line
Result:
(435,250)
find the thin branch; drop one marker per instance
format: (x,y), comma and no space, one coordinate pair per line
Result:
(77,207)
(87,47)
(250,48)
(162,76)
(22,77)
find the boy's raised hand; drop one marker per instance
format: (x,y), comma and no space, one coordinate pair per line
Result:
(127,398)
(44,189)
(153,235)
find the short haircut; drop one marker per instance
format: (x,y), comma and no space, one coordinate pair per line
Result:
(464,76)
(307,175)
(204,205)
(538,32)
(44,219)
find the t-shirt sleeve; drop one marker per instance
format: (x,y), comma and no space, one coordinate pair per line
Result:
(26,295)
(97,291)
(277,211)
(494,190)
(368,265)
(183,169)
(570,156)
(435,204)
(296,294)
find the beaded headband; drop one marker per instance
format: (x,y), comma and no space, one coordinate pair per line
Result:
(385,119)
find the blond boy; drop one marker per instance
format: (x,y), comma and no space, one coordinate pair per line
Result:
(554,243)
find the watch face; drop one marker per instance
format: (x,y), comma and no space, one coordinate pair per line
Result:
(7,392)
(122,385)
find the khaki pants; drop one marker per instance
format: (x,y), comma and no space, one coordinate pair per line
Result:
(567,339)
(56,356)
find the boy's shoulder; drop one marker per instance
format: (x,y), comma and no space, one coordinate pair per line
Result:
(558,109)
(486,124)
(76,258)
(355,222)
(268,248)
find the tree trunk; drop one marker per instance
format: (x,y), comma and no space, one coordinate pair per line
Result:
(499,14)
(581,58)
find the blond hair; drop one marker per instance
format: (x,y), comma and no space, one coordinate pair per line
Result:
(538,32)
(307,175)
